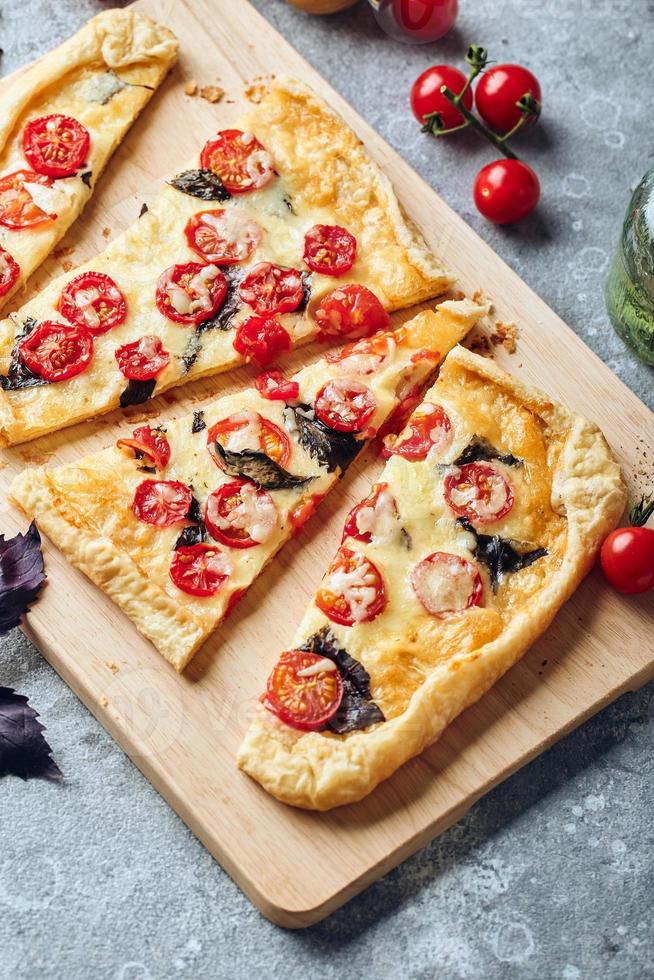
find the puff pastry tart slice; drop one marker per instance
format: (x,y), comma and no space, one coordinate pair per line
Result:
(176,521)
(60,121)
(486,517)
(278,230)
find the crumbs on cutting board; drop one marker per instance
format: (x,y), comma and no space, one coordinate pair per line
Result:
(112,666)
(506,335)
(106,232)
(60,253)
(257,88)
(210,93)
(67,265)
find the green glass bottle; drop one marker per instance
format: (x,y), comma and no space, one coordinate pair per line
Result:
(630,285)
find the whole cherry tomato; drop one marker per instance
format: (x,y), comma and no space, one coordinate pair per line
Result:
(506,191)
(427,98)
(627,558)
(498,91)
(417,21)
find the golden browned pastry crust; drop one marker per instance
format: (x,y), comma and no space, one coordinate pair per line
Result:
(85,507)
(425,670)
(324,174)
(102,76)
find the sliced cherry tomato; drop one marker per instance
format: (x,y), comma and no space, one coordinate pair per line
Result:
(149,442)
(431,429)
(372,517)
(628,559)
(223,236)
(499,89)
(271,288)
(162,502)
(143,359)
(346,406)
(506,191)
(446,583)
(240,515)
(93,300)
(56,145)
(190,293)
(479,492)
(350,312)
(275,387)
(239,159)
(427,98)
(301,513)
(17,207)
(365,356)
(410,396)
(261,339)
(249,430)
(304,690)
(329,250)
(200,569)
(56,351)
(352,590)
(9,272)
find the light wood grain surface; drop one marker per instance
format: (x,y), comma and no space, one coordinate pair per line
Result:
(183,732)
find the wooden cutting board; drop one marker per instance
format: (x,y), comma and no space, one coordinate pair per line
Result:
(183,732)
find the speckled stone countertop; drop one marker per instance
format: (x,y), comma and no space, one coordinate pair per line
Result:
(552,874)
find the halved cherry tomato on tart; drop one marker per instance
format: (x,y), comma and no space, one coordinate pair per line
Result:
(373,516)
(190,292)
(162,502)
(56,351)
(344,405)
(17,206)
(350,312)
(239,159)
(480,492)
(352,590)
(304,690)
(142,359)
(364,356)
(261,339)
(93,300)
(200,569)
(240,515)
(305,509)
(249,431)
(446,583)
(329,250)
(55,145)
(409,395)
(223,237)
(149,442)
(275,387)
(431,430)
(9,272)
(270,288)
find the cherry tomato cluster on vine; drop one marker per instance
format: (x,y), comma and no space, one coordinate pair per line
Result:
(506,190)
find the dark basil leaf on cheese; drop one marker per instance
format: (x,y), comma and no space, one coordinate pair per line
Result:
(481,449)
(289,204)
(137,392)
(306,290)
(144,210)
(203,184)
(231,304)
(194,511)
(259,468)
(357,710)
(198,422)
(191,351)
(332,449)
(22,575)
(86,177)
(146,469)
(499,555)
(405,539)
(19,375)
(24,752)
(193,534)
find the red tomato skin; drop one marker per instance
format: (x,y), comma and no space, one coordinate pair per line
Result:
(497,92)
(477,474)
(425,20)
(350,313)
(78,339)
(176,272)
(329,250)
(134,369)
(193,554)
(350,528)
(161,515)
(627,559)
(506,191)
(224,492)
(303,511)
(226,146)
(151,442)
(77,151)
(270,289)
(194,227)
(426,95)
(281,442)
(329,415)
(293,660)
(276,388)
(342,614)
(8,279)
(261,339)
(12,182)
(71,311)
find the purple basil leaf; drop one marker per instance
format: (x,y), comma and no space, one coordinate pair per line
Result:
(24,751)
(21,575)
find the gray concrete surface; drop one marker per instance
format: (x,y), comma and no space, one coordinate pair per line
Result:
(551,875)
